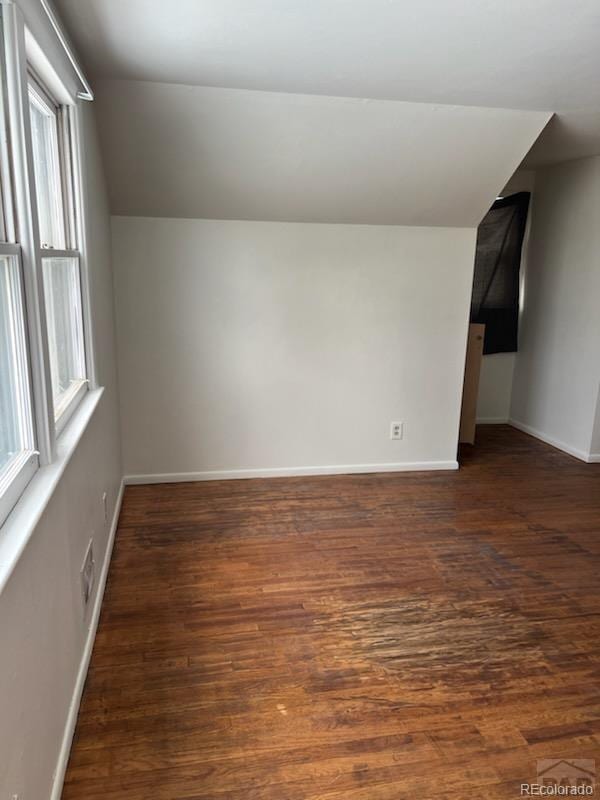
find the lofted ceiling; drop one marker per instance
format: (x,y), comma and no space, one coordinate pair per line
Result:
(534,55)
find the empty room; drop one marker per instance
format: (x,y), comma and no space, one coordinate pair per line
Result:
(299,399)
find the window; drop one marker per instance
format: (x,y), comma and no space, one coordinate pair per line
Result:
(43,361)
(495,298)
(52,160)
(62,291)
(18,458)
(43,114)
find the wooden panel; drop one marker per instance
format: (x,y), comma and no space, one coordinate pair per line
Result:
(468,415)
(375,637)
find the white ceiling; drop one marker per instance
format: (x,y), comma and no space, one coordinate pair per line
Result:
(532,54)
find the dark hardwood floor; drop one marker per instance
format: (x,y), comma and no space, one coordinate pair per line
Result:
(373,637)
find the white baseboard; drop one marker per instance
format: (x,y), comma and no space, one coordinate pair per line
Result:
(566,448)
(492,421)
(593,458)
(286,472)
(67,740)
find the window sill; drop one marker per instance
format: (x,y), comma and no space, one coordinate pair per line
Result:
(68,404)
(21,522)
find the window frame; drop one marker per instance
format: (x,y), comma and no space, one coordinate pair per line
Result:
(23,59)
(48,108)
(77,391)
(68,209)
(7,213)
(15,476)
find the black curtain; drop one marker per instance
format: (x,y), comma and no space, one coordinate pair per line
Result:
(495,300)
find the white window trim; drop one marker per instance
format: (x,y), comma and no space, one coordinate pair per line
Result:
(29,484)
(24,517)
(71,399)
(68,212)
(7,223)
(46,104)
(80,205)
(16,479)
(74,394)
(26,227)
(71,209)
(15,475)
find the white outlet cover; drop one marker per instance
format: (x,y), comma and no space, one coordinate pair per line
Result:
(396,430)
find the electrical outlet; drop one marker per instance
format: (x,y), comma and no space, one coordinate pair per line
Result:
(105,507)
(88,570)
(396,430)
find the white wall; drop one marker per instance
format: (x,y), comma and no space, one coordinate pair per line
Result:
(208,153)
(497,369)
(557,371)
(495,388)
(367,307)
(259,345)
(42,630)
(252,155)
(595,447)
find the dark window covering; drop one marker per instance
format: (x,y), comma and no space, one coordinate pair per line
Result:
(495,300)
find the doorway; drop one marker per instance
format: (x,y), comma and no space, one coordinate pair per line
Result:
(492,344)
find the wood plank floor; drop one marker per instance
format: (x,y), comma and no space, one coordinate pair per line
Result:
(374,637)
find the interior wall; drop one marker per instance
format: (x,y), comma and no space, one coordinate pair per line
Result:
(595,448)
(366,307)
(202,152)
(288,346)
(42,627)
(495,388)
(557,371)
(497,369)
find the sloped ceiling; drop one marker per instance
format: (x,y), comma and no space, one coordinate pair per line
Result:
(566,137)
(184,151)
(533,55)
(512,54)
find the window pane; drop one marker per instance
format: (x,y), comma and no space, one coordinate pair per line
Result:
(46,164)
(16,435)
(65,329)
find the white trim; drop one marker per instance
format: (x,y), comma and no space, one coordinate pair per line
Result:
(43,103)
(87,93)
(7,208)
(49,34)
(15,476)
(51,252)
(71,721)
(14,479)
(287,472)
(45,68)
(566,448)
(593,458)
(8,249)
(492,421)
(21,523)
(80,207)
(69,402)
(27,223)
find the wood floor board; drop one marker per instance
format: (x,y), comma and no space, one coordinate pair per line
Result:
(360,637)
